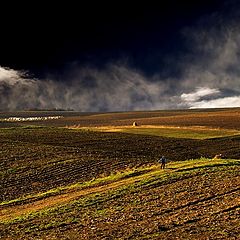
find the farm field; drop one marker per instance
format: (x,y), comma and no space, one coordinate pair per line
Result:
(194,199)
(213,118)
(170,131)
(89,175)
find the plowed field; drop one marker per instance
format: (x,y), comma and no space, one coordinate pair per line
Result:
(73,178)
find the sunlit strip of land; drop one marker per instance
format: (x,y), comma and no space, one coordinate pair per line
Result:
(193,132)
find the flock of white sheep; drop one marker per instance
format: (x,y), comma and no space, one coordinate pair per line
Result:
(25,119)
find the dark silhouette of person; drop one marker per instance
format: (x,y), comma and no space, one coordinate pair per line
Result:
(163,162)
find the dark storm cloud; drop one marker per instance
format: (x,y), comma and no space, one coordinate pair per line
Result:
(211,80)
(209,77)
(43,38)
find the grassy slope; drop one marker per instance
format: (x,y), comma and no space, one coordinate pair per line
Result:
(183,133)
(193,199)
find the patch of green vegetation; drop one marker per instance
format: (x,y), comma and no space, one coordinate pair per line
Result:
(21,127)
(200,162)
(181,132)
(32,127)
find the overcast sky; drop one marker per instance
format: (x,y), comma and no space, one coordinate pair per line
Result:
(119,57)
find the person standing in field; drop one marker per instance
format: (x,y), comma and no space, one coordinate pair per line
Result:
(163,161)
